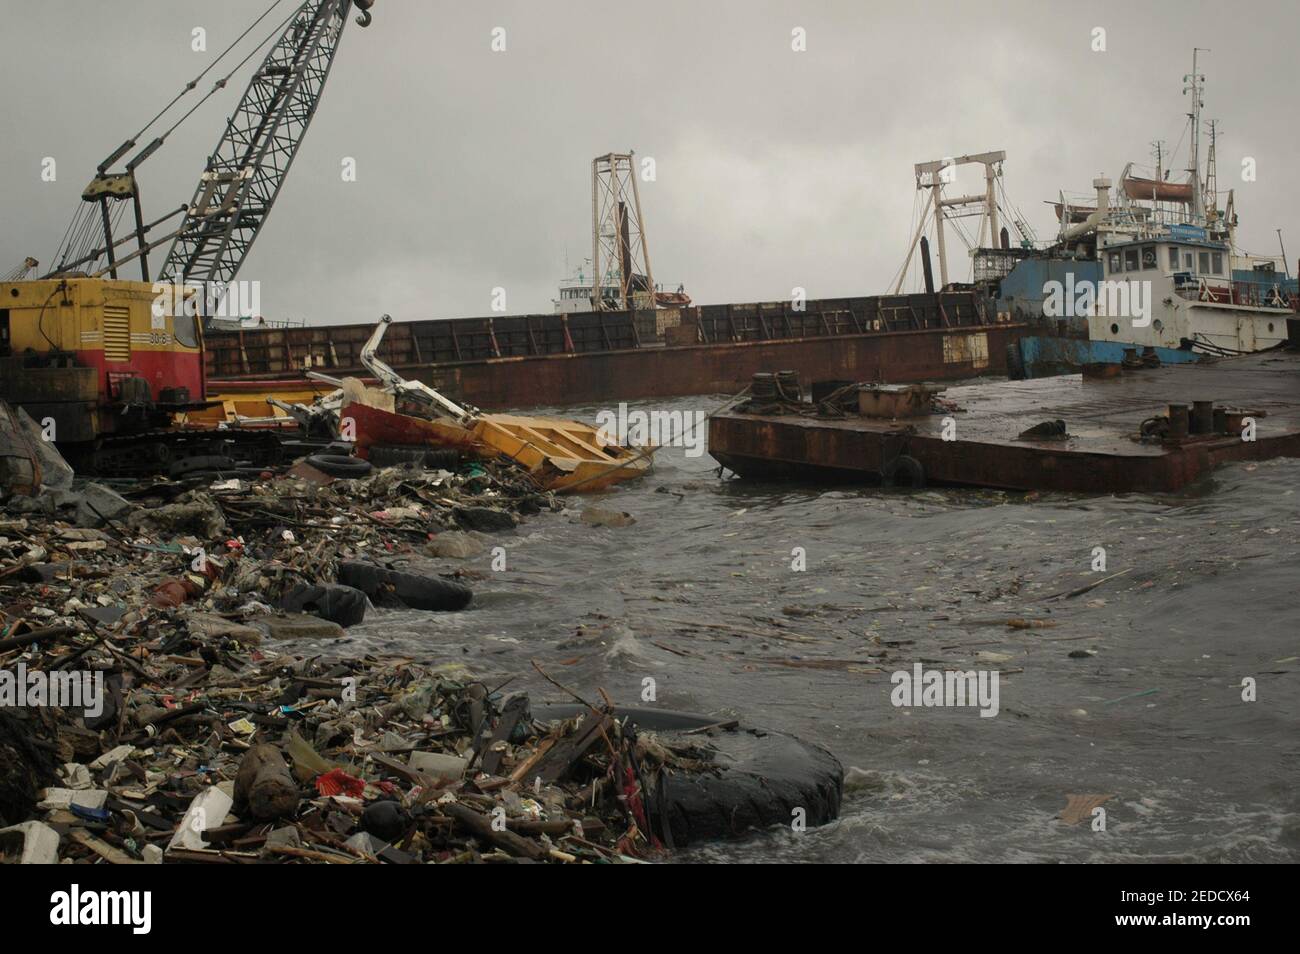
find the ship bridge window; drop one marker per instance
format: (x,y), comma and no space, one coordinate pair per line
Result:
(1115,263)
(1187,262)
(1216,262)
(1131,260)
(1149,257)
(1173,257)
(1204,262)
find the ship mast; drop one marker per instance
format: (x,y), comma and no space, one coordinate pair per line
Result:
(1195,84)
(1212,182)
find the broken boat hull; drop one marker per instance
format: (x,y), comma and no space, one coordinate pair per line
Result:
(561,455)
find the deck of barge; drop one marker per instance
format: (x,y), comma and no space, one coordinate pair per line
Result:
(518,361)
(1102,417)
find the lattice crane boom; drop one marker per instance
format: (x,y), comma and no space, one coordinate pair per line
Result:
(248,167)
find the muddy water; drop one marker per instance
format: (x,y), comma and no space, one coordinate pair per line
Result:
(700,596)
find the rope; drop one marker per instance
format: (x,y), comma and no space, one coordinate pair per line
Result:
(1217,350)
(1186,126)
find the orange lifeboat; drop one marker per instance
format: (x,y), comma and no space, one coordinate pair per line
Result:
(1153,190)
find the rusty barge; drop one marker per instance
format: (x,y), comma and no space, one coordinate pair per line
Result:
(1110,430)
(543,360)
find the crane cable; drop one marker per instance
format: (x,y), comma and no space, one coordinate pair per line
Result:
(220,84)
(911,228)
(83,233)
(1018,220)
(192,84)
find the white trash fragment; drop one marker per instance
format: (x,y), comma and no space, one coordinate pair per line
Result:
(208,810)
(76,775)
(40,843)
(118,754)
(53,799)
(438,765)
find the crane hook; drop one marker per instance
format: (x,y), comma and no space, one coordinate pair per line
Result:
(364,18)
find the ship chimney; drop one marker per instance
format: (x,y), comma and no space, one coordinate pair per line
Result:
(1102,185)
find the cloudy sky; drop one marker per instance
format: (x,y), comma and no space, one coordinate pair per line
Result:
(775,168)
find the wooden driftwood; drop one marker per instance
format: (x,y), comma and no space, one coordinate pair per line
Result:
(481,825)
(264,785)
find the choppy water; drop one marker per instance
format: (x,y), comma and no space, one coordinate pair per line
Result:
(699,594)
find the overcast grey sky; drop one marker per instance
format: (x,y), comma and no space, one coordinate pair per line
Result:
(775,168)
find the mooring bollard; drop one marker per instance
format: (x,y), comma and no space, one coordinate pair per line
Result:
(1178,421)
(1202,421)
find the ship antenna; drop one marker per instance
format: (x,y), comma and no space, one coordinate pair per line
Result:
(1211,176)
(1160,159)
(1194,83)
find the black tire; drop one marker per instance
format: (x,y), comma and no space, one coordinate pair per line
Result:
(396,455)
(393,588)
(399,455)
(447,458)
(762,778)
(337,465)
(429,592)
(1015,362)
(340,604)
(903,471)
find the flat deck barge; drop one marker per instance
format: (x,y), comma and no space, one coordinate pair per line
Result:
(1100,452)
(524,361)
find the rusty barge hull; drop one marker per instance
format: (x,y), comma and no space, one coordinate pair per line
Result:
(714,369)
(550,360)
(1102,416)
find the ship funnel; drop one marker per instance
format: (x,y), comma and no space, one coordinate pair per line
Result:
(1102,185)
(1094,219)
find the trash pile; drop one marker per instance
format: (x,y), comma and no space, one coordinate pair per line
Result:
(302,543)
(152,706)
(211,749)
(144,715)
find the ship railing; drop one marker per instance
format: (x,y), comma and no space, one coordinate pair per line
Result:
(1248,294)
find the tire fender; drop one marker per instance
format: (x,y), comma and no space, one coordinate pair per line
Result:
(903,471)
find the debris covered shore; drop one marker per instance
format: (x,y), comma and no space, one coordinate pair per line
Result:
(212,740)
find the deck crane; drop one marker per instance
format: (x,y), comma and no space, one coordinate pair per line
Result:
(109,361)
(243,174)
(246,170)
